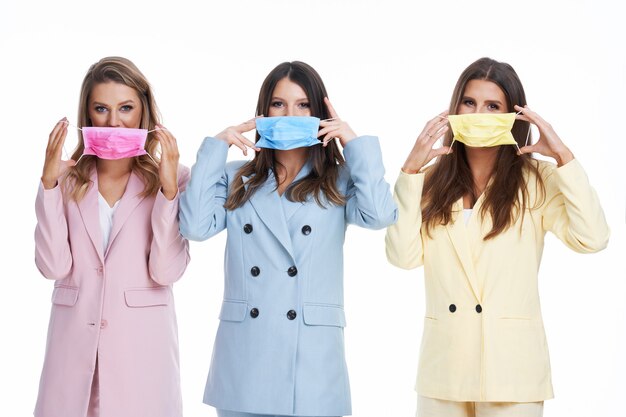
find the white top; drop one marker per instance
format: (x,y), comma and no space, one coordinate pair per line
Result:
(467,213)
(106,219)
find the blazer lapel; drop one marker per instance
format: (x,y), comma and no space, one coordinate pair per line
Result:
(458,233)
(268,206)
(291,207)
(129,201)
(90,214)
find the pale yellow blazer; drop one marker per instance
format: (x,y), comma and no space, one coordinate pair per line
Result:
(483,334)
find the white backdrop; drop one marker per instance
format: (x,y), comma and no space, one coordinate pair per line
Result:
(389,66)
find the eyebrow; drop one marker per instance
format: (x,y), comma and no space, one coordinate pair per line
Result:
(280,98)
(97,103)
(486,101)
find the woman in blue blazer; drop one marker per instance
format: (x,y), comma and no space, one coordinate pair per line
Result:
(279,348)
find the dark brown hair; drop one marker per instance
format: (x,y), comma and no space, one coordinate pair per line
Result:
(321,182)
(450,177)
(123,71)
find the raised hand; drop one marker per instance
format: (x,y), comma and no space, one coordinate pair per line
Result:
(549,143)
(168,168)
(54,167)
(233,135)
(335,127)
(423,152)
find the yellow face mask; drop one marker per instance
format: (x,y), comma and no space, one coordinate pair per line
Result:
(481,130)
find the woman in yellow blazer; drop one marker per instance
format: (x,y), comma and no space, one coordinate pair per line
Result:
(476,219)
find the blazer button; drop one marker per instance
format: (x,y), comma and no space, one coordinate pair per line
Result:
(306,230)
(103,324)
(254,313)
(292,271)
(291,314)
(479,309)
(452,308)
(248,228)
(255,271)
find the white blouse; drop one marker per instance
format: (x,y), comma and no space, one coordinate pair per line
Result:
(467,213)
(106,219)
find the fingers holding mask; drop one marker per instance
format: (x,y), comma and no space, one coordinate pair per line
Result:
(334,127)
(233,135)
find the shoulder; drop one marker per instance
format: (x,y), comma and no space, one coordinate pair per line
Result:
(233,166)
(537,167)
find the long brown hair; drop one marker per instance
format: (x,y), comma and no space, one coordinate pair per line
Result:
(123,71)
(321,182)
(450,177)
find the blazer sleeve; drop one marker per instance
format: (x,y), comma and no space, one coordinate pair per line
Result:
(169,251)
(202,213)
(53,255)
(572,210)
(403,242)
(369,202)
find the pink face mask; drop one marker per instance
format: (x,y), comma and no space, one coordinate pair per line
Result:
(114,142)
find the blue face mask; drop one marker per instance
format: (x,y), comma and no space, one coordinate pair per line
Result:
(287,132)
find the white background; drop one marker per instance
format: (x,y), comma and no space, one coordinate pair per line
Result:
(388,66)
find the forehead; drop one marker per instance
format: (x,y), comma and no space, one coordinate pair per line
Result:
(112,93)
(484,90)
(285,88)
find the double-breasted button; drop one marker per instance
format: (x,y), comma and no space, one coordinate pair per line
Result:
(292,271)
(255,271)
(306,230)
(103,324)
(452,308)
(479,308)
(248,228)
(254,313)
(291,314)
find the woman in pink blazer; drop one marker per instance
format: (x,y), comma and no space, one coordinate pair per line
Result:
(107,234)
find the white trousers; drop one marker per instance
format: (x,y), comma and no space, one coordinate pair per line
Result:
(432,407)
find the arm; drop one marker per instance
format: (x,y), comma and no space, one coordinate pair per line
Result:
(572,210)
(403,242)
(369,203)
(202,213)
(169,252)
(53,255)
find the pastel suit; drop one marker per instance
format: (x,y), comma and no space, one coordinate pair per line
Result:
(115,305)
(484,337)
(279,347)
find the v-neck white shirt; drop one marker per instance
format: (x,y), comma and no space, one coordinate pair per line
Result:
(467,213)
(106,219)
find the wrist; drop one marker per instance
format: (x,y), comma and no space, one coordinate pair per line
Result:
(48,183)
(563,157)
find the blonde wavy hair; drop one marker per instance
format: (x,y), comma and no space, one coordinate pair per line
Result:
(123,71)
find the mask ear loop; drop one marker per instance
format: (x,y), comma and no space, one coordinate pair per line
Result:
(519,151)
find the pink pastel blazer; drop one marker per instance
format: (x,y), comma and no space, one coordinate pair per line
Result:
(113,307)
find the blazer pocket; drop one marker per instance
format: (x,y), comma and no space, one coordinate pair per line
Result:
(233,310)
(147,297)
(64,295)
(324,315)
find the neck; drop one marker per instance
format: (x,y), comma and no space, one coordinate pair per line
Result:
(289,163)
(481,162)
(114,167)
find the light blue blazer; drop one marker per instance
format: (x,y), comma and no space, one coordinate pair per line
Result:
(279,347)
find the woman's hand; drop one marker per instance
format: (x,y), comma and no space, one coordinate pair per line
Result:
(335,127)
(168,168)
(549,143)
(54,167)
(423,152)
(234,136)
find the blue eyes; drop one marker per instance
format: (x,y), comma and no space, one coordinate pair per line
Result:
(123,109)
